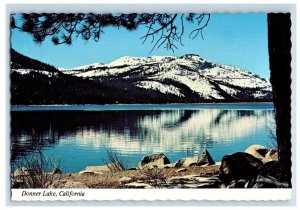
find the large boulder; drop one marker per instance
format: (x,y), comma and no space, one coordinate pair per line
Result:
(203,159)
(268,182)
(186,162)
(155,160)
(262,153)
(238,166)
(271,168)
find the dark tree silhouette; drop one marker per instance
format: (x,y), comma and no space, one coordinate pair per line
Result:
(163,29)
(279,35)
(167,30)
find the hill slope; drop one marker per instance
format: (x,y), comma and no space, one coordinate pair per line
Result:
(184,77)
(156,79)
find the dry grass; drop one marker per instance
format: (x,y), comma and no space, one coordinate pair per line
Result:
(33,172)
(155,177)
(115,162)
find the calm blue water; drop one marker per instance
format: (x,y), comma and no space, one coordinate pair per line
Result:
(79,136)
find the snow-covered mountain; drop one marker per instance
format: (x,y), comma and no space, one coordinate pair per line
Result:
(188,76)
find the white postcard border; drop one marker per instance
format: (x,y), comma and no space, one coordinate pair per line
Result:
(176,194)
(150,194)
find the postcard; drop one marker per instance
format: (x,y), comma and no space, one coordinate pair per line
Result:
(153,106)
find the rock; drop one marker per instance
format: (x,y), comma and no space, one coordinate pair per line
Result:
(96,169)
(204,159)
(88,173)
(194,181)
(257,151)
(271,168)
(64,184)
(262,153)
(132,169)
(186,162)
(138,185)
(16,183)
(180,170)
(101,169)
(23,171)
(56,171)
(241,183)
(155,160)
(271,155)
(267,178)
(238,166)
(189,181)
(170,165)
(268,182)
(218,163)
(125,180)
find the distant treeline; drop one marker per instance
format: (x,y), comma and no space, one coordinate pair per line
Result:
(36,88)
(20,61)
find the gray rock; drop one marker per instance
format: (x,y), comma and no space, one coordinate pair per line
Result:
(132,169)
(180,170)
(271,155)
(124,180)
(262,153)
(189,181)
(23,171)
(155,160)
(194,181)
(268,182)
(88,173)
(204,159)
(257,151)
(138,185)
(186,162)
(170,165)
(56,171)
(100,169)
(238,166)
(241,183)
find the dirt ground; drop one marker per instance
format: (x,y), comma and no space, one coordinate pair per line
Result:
(111,180)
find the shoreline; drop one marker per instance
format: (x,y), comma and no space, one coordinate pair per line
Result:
(248,169)
(141,107)
(137,104)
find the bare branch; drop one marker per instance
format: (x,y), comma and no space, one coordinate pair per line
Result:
(198,30)
(162,29)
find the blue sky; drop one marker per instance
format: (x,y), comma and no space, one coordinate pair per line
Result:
(232,39)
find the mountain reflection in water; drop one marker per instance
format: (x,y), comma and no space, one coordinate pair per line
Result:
(82,137)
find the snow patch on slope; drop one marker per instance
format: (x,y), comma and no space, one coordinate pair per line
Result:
(228,90)
(28,71)
(89,66)
(154,85)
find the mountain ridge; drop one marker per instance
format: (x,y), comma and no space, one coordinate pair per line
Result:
(128,80)
(209,80)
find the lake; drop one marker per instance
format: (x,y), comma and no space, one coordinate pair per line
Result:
(76,136)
